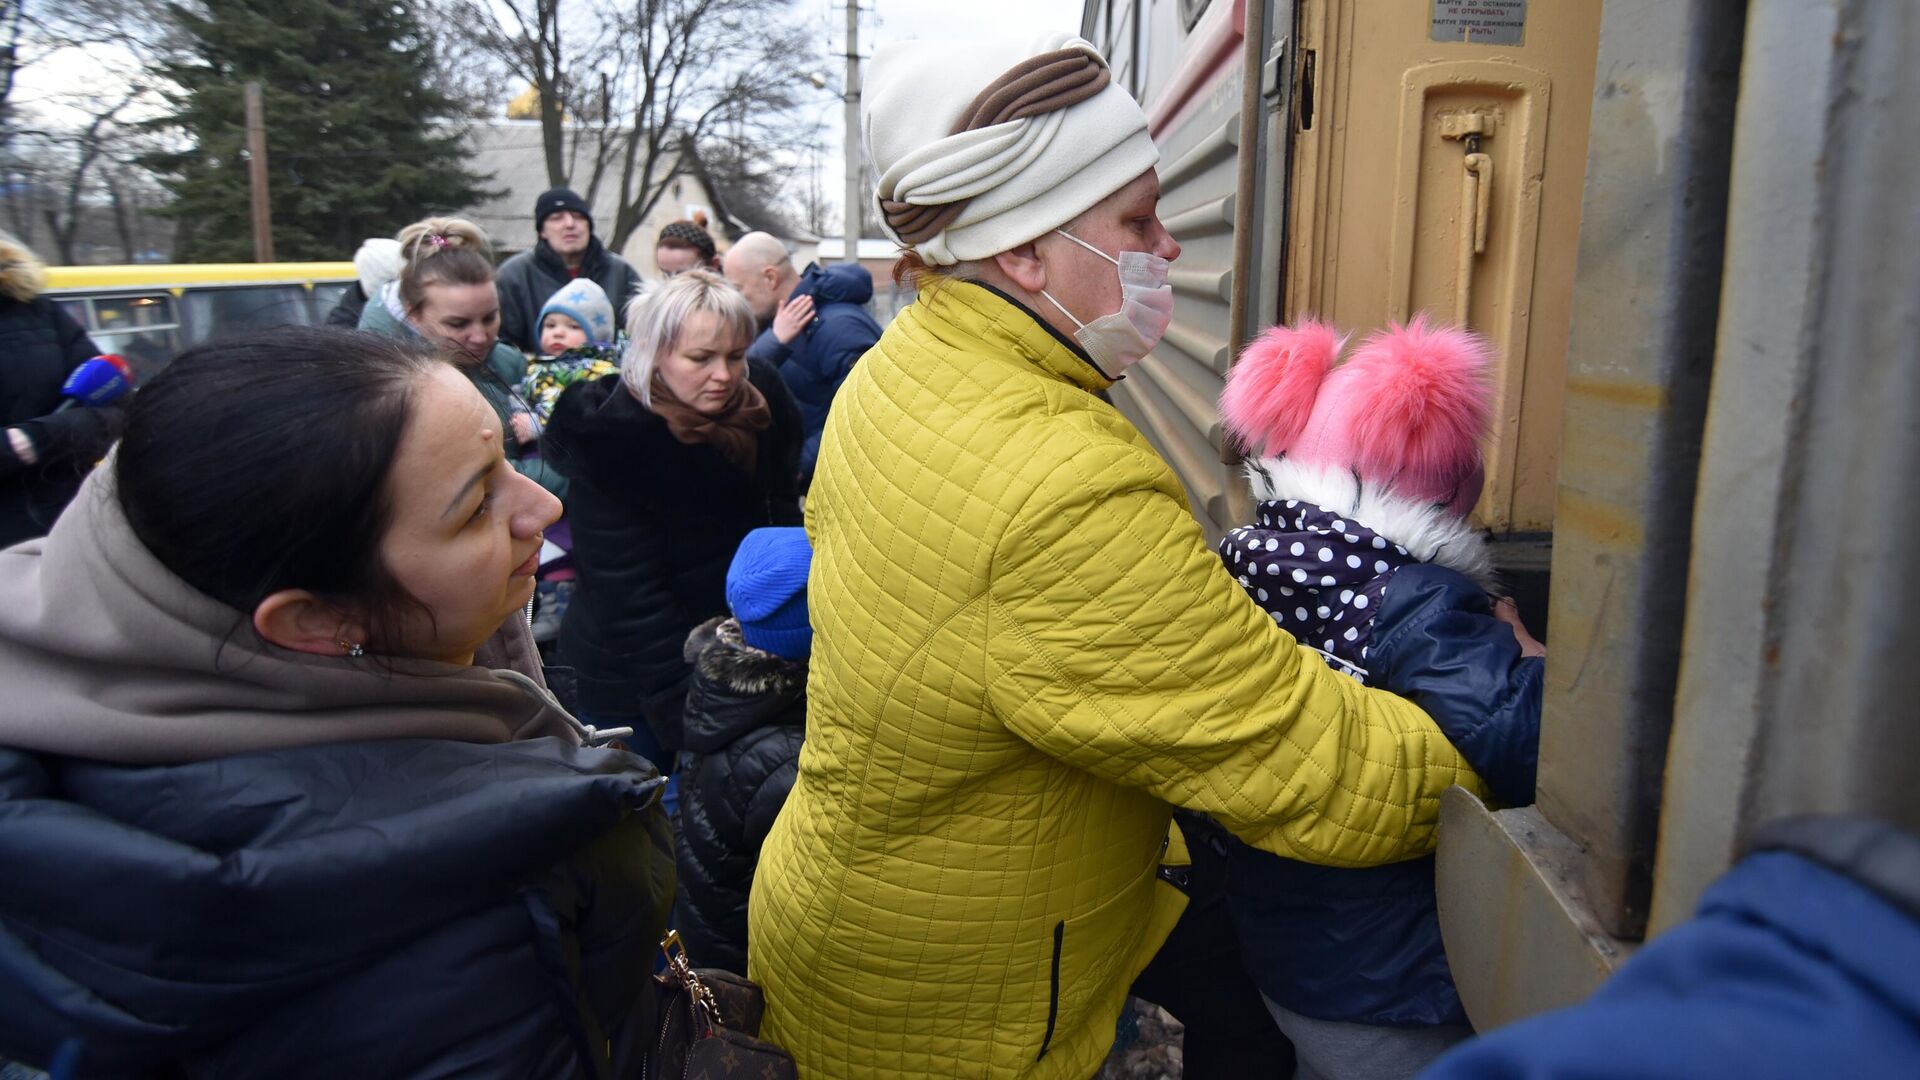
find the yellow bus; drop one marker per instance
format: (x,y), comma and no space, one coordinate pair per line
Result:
(149,313)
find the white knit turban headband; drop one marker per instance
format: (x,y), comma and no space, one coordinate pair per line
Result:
(1035,133)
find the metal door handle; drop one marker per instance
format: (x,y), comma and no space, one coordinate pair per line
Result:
(1476,205)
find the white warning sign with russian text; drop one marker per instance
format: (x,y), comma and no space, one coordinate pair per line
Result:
(1480,22)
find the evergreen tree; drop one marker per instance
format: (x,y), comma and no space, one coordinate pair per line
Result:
(357,140)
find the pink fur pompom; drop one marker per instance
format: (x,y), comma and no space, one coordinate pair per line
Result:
(1270,392)
(1418,403)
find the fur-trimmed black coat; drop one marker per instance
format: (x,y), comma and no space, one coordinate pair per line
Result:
(745,719)
(40,345)
(655,524)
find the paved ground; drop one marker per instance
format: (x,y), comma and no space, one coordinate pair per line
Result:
(1155,1055)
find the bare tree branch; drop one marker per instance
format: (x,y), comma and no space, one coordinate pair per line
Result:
(88,146)
(628,90)
(54,150)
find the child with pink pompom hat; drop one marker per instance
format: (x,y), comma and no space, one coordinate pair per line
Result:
(1366,471)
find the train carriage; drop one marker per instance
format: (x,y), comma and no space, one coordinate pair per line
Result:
(1688,229)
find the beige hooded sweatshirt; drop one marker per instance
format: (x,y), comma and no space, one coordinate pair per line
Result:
(107,655)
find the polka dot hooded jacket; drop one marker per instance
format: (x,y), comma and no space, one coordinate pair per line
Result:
(1388,582)
(1320,575)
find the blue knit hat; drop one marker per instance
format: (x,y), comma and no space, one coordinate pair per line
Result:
(767,590)
(586,303)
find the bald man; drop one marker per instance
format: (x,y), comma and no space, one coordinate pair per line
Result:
(815,324)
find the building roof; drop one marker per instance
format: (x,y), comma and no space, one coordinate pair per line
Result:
(834,248)
(514,153)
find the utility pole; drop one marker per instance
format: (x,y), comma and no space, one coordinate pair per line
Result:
(257,174)
(855,177)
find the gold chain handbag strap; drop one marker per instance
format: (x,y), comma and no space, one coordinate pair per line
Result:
(706,1009)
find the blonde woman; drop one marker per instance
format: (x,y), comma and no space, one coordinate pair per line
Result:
(45,453)
(670,462)
(446,294)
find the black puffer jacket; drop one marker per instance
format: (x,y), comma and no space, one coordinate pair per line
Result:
(655,524)
(40,345)
(746,716)
(405,908)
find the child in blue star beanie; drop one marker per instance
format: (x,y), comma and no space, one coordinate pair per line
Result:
(579,339)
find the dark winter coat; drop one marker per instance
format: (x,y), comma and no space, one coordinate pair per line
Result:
(346,312)
(40,345)
(528,280)
(498,380)
(1803,960)
(817,362)
(1364,946)
(655,524)
(745,719)
(403,908)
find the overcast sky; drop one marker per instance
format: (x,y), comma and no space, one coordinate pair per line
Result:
(899,20)
(881,22)
(885,21)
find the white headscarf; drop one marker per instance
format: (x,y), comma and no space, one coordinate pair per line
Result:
(1019,178)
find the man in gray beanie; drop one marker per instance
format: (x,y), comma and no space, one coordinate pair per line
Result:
(1025,653)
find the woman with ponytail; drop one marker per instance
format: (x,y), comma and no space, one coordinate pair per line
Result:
(446,294)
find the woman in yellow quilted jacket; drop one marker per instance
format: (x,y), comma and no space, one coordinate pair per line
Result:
(1025,651)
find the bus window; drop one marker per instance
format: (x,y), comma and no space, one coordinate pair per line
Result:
(144,329)
(216,312)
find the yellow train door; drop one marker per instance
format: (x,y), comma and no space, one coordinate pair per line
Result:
(1439,152)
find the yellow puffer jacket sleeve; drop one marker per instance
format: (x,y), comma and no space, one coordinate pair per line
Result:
(1119,644)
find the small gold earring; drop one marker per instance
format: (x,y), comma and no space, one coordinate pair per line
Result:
(354,648)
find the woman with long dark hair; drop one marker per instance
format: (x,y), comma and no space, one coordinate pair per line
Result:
(282,789)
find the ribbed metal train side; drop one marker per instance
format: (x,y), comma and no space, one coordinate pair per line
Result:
(1207,172)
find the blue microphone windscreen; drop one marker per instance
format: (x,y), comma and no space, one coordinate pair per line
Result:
(96,382)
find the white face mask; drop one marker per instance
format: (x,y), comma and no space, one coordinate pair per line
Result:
(1116,342)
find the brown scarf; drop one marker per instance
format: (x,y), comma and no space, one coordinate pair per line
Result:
(734,430)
